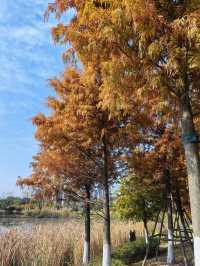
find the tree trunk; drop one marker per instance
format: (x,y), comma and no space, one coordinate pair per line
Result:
(106,228)
(86,251)
(170,248)
(193,169)
(146,235)
(170,233)
(56,200)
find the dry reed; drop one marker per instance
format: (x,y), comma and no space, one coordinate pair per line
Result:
(57,244)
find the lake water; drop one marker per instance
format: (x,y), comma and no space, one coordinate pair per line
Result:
(12,221)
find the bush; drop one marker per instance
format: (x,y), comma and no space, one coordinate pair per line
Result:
(134,251)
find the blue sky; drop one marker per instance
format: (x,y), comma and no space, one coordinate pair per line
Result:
(28,57)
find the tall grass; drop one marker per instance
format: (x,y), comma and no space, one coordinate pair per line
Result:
(57,244)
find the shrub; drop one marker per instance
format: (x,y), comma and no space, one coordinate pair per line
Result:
(134,251)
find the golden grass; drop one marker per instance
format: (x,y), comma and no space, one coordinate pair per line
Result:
(57,244)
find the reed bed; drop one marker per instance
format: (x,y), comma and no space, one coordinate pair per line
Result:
(57,244)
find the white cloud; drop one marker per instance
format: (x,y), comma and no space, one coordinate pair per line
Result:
(26,48)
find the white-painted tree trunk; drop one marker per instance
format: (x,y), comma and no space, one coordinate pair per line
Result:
(193,168)
(106,255)
(106,207)
(146,236)
(170,235)
(197,250)
(170,248)
(86,253)
(86,250)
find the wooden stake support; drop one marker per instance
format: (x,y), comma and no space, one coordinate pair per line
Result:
(181,224)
